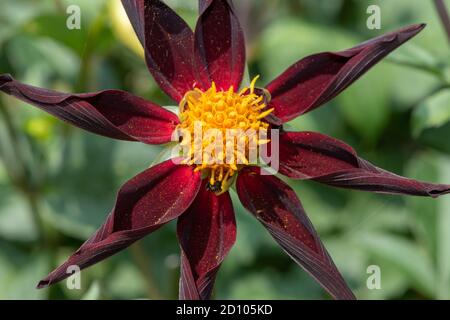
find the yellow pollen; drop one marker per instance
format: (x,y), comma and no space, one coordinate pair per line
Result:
(231,126)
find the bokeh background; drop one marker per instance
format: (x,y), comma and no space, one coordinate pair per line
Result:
(57,183)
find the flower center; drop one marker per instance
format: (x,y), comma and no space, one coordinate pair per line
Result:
(222,132)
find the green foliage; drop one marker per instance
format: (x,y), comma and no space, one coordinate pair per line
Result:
(57,184)
(434,112)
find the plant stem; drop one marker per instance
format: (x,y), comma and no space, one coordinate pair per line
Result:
(443,15)
(142,261)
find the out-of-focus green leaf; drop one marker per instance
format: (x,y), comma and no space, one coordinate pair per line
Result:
(93,293)
(22,273)
(79,203)
(257,286)
(16,223)
(414,74)
(443,241)
(417,57)
(13,15)
(432,113)
(432,224)
(395,14)
(54,27)
(322,10)
(370,212)
(125,282)
(425,167)
(411,259)
(89,9)
(286,41)
(393,282)
(49,56)
(250,237)
(348,257)
(365,105)
(410,86)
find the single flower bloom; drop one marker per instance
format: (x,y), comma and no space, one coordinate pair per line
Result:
(202,71)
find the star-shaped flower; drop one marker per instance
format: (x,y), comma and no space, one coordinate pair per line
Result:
(202,71)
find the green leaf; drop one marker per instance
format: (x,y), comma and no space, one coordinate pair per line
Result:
(20,272)
(13,15)
(16,223)
(400,13)
(49,56)
(443,243)
(417,57)
(125,282)
(365,104)
(405,255)
(432,224)
(93,293)
(286,41)
(434,112)
(393,282)
(93,170)
(257,286)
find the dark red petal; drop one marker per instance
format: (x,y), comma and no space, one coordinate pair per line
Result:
(135,12)
(277,207)
(219,44)
(169,50)
(316,79)
(112,113)
(309,155)
(144,204)
(206,231)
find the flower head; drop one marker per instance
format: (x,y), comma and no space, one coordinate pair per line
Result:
(227,116)
(202,71)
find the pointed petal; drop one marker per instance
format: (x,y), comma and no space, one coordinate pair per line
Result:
(206,231)
(317,79)
(169,50)
(220,44)
(144,204)
(135,12)
(277,207)
(310,155)
(112,113)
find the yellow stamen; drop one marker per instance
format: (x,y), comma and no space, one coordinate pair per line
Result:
(225,112)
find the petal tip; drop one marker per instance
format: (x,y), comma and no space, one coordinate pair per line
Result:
(406,33)
(43,284)
(418,27)
(6,77)
(422,25)
(440,191)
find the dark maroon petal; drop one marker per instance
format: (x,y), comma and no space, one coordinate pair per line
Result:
(316,79)
(169,50)
(206,231)
(144,204)
(112,113)
(135,12)
(277,207)
(219,44)
(310,155)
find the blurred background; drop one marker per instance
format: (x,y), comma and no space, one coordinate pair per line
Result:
(58,183)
